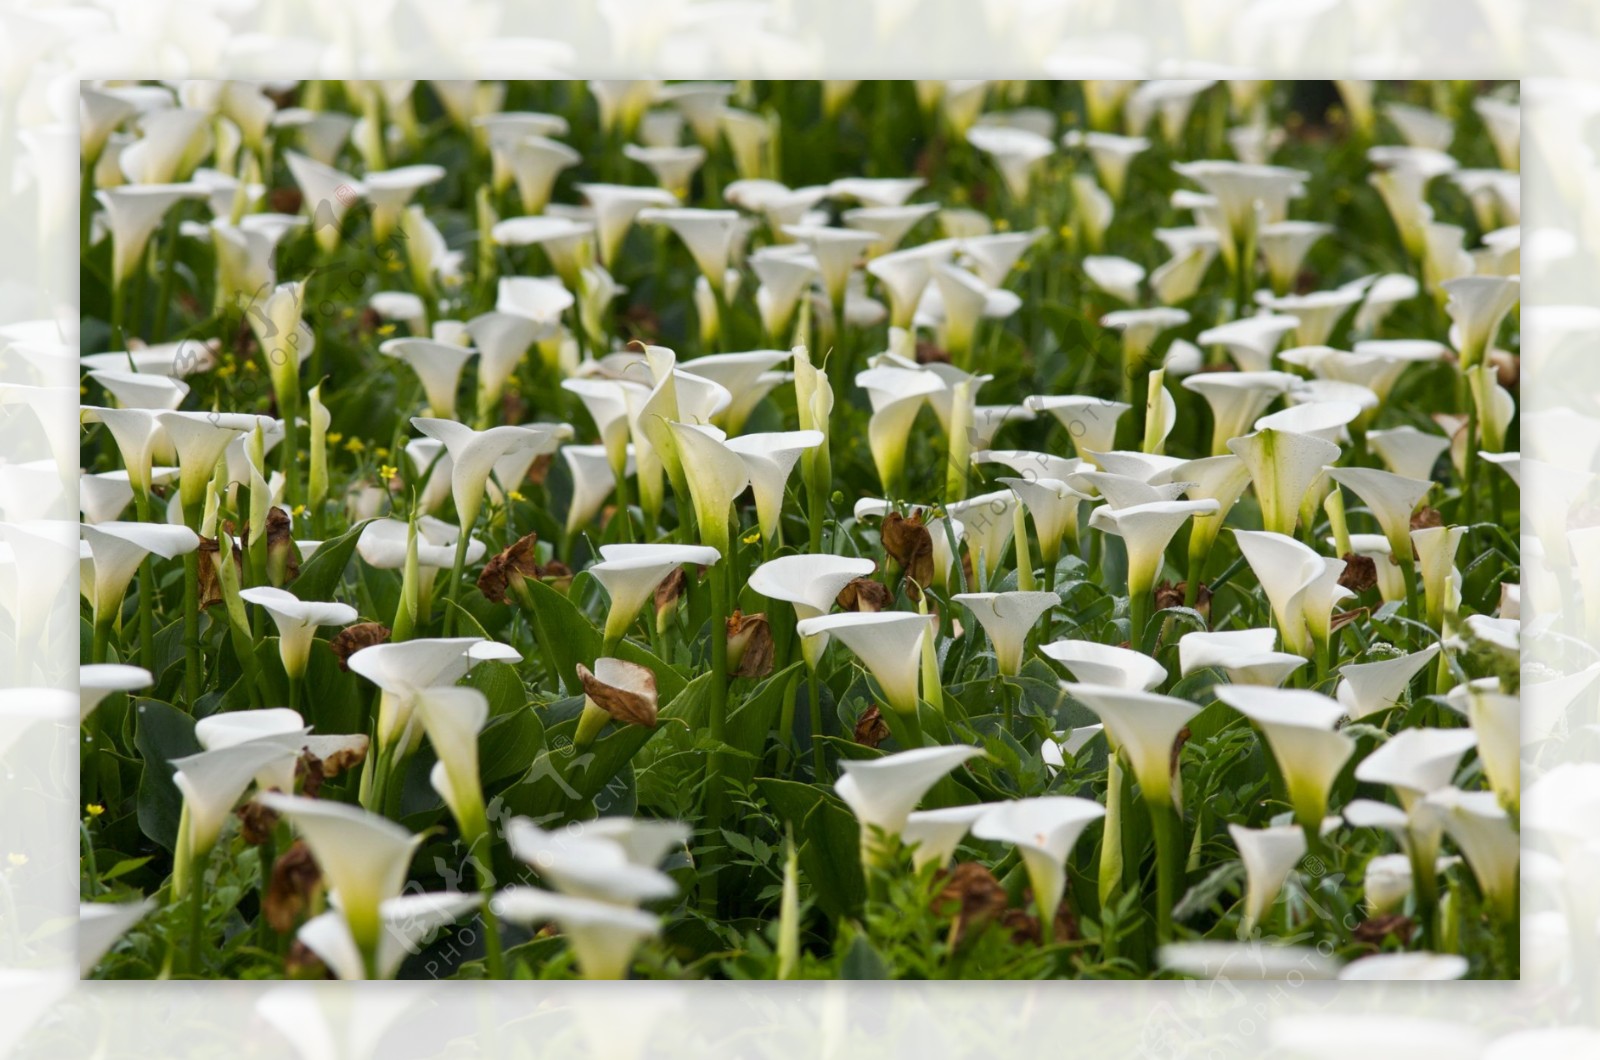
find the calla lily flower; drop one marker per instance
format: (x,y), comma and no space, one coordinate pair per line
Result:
(1008,618)
(200,439)
(1054,506)
(1372,687)
(101,924)
(934,835)
(438,365)
(1285,245)
(473,455)
(1416,762)
(1043,830)
(1146,530)
(1217,478)
(630,574)
(96,681)
(1093,663)
(1117,277)
(1391,498)
(905,274)
(1299,727)
(619,690)
(882,792)
(603,936)
(592,482)
(836,251)
(606,401)
(956,301)
(615,208)
(613,861)
(452,719)
(363,857)
(1316,313)
(117,549)
(811,584)
(384,544)
(1246,656)
(501,339)
(326,194)
(1141,725)
(988,525)
(1436,560)
(1237,400)
(738,373)
(133,213)
(1015,152)
(141,390)
(994,255)
(297,621)
(889,223)
(407,920)
(1486,836)
(1269,855)
(784,273)
(281,727)
(1497,720)
(1398,967)
(716,475)
(534,163)
(889,645)
(769,459)
(674,167)
(709,234)
(1477,305)
(390,192)
(1301,586)
(567,243)
(1178,278)
(896,395)
(402,669)
(1244,192)
(1251,340)
(1111,155)
(211,783)
(1283,465)
(1090,422)
(1408,451)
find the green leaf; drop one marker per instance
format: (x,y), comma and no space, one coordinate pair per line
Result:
(861,961)
(830,857)
(509,742)
(163,733)
(320,576)
(500,684)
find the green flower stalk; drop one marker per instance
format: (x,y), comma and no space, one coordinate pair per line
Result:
(285,343)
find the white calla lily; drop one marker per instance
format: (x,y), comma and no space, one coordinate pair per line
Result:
(615,208)
(452,718)
(501,340)
(200,438)
(630,574)
(1090,422)
(117,550)
(1141,725)
(603,936)
(1246,656)
(1496,718)
(1111,155)
(1477,305)
(101,924)
(1408,451)
(708,234)
(1301,586)
(889,645)
(716,475)
(1044,831)
(326,195)
(1436,548)
(1250,340)
(673,166)
(473,455)
(1284,246)
(592,482)
(1008,618)
(1017,153)
(297,621)
(96,681)
(1370,688)
(1487,838)
(1093,663)
(211,783)
(1269,855)
(769,459)
(1146,530)
(1299,727)
(1237,400)
(133,213)
(1283,466)
(882,792)
(889,223)
(1416,762)
(896,395)
(934,835)
(364,859)
(407,921)
(1391,498)
(986,521)
(402,669)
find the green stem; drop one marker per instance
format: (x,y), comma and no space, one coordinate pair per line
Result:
(147,592)
(457,573)
(197,912)
(716,794)
(791,692)
(268,854)
(169,261)
(193,667)
(814,695)
(1138,617)
(1111,847)
(1166,826)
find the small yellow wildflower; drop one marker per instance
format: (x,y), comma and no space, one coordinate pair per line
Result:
(299,510)
(1002,225)
(1066,232)
(388,471)
(251,367)
(355,445)
(335,437)
(382,452)
(94,809)
(752,537)
(515,496)
(386,329)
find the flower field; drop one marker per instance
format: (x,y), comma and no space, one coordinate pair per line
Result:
(800,530)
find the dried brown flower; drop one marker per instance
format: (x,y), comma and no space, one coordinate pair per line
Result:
(296,879)
(629,694)
(668,592)
(352,639)
(256,822)
(871,730)
(749,645)
(973,896)
(516,561)
(864,594)
(1423,518)
(283,557)
(1360,573)
(1372,932)
(908,543)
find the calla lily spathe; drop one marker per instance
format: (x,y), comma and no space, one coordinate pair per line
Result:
(452,719)
(769,459)
(297,621)
(407,921)
(882,792)
(96,681)
(934,835)
(1008,618)
(1299,727)
(1246,656)
(1044,831)
(1301,586)
(603,936)
(1093,663)
(1372,687)
(473,455)
(1269,855)
(1141,725)
(117,549)
(1283,465)
(630,574)
(888,643)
